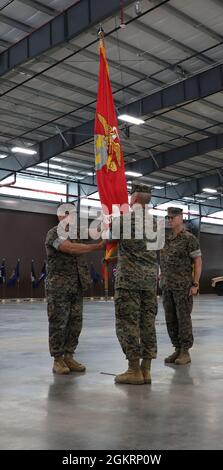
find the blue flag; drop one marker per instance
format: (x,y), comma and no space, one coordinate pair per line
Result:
(94,275)
(2,272)
(15,275)
(42,276)
(33,275)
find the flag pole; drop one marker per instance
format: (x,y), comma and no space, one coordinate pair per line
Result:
(92,290)
(31,280)
(31,291)
(18,284)
(4,291)
(101,37)
(101,34)
(18,290)
(4,282)
(106,280)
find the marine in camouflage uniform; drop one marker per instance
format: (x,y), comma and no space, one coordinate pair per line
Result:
(135,298)
(177,257)
(67,278)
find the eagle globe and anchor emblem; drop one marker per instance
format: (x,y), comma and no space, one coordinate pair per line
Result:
(107,147)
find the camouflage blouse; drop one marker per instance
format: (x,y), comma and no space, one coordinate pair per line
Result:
(64,268)
(137,265)
(176,260)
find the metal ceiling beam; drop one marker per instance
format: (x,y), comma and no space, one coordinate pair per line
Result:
(169,39)
(72,22)
(189,20)
(47,129)
(31,91)
(75,71)
(20,128)
(149,128)
(116,65)
(182,125)
(213,157)
(40,7)
(200,117)
(62,84)
(190,187)
(179,154)
(186,189)
(4,43)
(194,88)
(33,107)
(147,166)
(15,24)
(210,104)
(138,52)
(206,208)
(190,165)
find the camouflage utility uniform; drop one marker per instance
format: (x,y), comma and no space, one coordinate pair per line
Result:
(67,277)
(135,295)
(176,267)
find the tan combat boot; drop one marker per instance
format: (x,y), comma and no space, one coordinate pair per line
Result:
(73,365)
(132,376)
(145,367)
(183,358)
(171,359)
(59,366)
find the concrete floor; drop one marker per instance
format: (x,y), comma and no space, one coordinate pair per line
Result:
(182,409)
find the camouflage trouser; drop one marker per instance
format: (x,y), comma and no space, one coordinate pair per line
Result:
(178,307)
(65,310)
(135,322)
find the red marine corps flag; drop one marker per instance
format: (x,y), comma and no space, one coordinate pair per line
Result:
(109,162)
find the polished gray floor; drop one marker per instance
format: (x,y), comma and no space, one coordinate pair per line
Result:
(182,409)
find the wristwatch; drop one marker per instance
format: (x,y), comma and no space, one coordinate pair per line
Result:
(195,284)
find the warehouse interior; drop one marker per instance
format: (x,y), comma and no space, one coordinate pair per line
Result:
(166,67)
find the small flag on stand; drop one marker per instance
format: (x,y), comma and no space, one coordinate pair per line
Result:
(95,276)
(37,281)
(15,276)
(3,272)
(33,274)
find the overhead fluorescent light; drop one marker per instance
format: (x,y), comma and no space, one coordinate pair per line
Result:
(158,187)
(23,150)
(133,173)
(199,200)
(201,196)
(58,167)
(34,168)
(171,183)
(212,197)
(8,180)
(187,198)
(209,190)
(3,155)
(55,159)
(131,119)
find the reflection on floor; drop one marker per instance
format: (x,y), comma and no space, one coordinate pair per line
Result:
(182,409)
